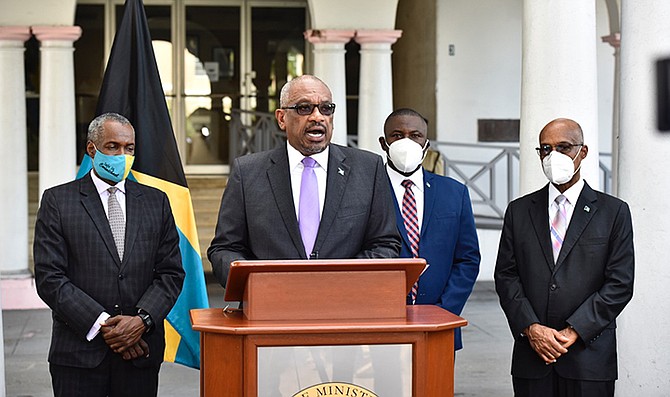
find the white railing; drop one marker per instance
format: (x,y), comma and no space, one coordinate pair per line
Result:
(490,171)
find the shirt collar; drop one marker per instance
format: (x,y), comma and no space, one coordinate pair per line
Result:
(572,194)
(102,186)
(397,178)
(295,157)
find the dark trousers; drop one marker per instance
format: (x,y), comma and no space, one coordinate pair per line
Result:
(114,377)
(553,385)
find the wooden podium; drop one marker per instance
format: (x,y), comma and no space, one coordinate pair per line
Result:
(331,303)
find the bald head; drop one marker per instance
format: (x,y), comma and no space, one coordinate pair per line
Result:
(288,88)
(565,127)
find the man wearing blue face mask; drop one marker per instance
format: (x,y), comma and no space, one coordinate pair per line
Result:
(564,272)
(107,263)
(433,215)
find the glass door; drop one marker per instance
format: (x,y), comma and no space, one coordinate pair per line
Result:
(211,84)
(277,52)
(236,58)
(216,58)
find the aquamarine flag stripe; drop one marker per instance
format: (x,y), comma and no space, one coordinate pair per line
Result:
(193,296)
(85,167)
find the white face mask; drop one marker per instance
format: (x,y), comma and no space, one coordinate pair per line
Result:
(406,155)
(559,168)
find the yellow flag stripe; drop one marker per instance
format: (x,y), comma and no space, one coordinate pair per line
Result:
(172,340)
(180,201)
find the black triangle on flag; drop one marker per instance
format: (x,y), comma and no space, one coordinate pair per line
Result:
(132,88)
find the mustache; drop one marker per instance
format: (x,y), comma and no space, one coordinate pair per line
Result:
(316,124)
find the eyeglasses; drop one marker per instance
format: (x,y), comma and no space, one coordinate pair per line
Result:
(305,109)
(564,148)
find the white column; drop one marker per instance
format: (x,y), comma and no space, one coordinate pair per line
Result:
(644,359)
(58,145)
(14,172)
(3,388)
(375,93)
(614,40)
(559,79)
(329,66)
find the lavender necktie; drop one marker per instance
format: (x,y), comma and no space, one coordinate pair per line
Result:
(309,214)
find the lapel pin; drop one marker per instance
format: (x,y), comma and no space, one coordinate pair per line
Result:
(340,171)
(587,208)
(428,184)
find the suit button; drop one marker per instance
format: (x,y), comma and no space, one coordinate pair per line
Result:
(121,276)
(553,287)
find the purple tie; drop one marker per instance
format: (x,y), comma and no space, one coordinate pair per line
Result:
(309,214)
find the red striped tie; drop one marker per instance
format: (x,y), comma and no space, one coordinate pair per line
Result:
(411,221)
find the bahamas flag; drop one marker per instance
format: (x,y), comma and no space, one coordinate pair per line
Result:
(132,87)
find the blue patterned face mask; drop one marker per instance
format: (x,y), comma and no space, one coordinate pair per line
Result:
(112,168)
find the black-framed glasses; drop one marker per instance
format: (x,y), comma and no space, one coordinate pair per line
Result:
(564,148)
(305,109)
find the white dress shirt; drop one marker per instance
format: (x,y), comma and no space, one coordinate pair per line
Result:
(572,194)
(399,190)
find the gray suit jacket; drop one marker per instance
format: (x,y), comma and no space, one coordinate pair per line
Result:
(257,217)
(79,274)
(587,288)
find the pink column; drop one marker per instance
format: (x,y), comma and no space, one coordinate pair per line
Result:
(57,105)
(329,66)
(375,94)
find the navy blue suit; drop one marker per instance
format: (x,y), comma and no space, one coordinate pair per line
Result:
(449,244)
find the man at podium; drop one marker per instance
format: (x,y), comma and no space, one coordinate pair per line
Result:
(307,199)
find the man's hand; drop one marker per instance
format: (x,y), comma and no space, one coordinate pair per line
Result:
(141,349)
(547,342)
(122,332)
(571,334)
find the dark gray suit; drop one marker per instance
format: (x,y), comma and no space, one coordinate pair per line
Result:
(79,274)
(257,218)
(588,287)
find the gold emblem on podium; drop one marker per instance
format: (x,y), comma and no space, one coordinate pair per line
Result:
(335,389)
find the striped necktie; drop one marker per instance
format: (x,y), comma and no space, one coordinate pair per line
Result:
(116,220)
(411,221)
(559,225)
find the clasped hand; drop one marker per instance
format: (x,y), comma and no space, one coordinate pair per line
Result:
(123,334)
(549,343)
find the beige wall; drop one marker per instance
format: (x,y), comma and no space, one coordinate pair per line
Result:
(37,12)
(352,14)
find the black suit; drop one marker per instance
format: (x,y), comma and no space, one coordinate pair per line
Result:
(587,288)
(257,218)
(79,274)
